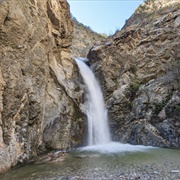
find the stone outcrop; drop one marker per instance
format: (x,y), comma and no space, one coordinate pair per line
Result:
(39,95)
(84,38)
(139,70)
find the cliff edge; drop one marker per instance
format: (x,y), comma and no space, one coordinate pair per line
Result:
(39,95)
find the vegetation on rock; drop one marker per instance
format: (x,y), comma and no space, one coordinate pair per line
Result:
(84,39)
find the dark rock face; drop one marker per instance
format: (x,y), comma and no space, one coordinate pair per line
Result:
(38,80)
(139,71)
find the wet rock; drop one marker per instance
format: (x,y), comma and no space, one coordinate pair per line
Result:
(140,132)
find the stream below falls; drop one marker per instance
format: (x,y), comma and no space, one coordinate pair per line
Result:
(150,164)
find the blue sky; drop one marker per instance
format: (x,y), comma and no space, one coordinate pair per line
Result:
(103,16)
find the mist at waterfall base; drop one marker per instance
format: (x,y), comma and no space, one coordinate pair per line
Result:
(99,138)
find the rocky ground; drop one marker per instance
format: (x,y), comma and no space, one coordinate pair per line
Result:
(134,172)
(142,166)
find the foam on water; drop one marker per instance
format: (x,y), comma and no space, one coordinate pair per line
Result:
(115,147)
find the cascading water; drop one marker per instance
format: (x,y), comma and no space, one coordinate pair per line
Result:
(98,130)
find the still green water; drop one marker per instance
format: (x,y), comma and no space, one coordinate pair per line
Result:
(153,163)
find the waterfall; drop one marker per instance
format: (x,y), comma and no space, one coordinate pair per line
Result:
(99,139)
(98,129)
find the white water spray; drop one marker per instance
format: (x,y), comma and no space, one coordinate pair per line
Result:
(98,130)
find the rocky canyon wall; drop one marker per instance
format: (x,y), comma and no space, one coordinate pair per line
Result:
(139,70)
(39,96)
(40,93)
(83,39)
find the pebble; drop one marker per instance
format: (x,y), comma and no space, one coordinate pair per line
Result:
(93,167)
(175,171)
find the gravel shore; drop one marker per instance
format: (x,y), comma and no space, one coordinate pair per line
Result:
(160,164)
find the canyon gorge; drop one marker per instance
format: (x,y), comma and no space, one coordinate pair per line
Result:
(42,91)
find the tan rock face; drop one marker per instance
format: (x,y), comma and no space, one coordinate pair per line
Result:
(84,39)
(139,71)
(37,80)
